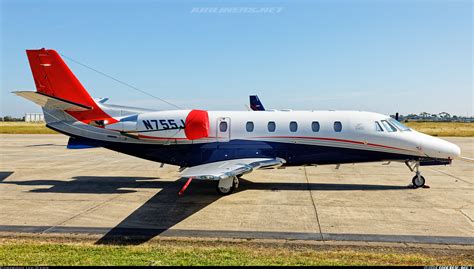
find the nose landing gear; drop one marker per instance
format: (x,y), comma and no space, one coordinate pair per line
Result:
(418,180)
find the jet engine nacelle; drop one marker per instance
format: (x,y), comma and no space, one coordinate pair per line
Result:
(164,124)
(175,124)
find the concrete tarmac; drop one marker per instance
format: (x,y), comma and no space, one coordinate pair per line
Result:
(48,189)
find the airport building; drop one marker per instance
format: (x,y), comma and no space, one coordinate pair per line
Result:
(34,117)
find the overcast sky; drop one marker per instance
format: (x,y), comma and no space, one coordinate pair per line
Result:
(382,56)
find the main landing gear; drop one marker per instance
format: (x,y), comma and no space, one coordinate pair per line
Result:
(418,180)
(227,185)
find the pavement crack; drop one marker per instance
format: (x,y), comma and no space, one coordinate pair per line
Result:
(89,209)
(314,203)
(465,215)
(458,178)
(81,213)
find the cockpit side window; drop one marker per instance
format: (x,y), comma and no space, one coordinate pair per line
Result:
(389,127)
(378,127)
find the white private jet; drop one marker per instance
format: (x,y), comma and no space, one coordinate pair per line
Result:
(224,145)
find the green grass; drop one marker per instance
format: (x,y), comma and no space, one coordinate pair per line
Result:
(460,129)
(218,253)
(24,128)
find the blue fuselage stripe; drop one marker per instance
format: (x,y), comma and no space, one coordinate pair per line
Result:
(295,154)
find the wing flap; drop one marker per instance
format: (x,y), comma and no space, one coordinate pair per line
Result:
(51,102)
(230,168)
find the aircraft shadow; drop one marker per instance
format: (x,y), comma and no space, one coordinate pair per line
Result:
(249,185)
(161,212)
(117,184)
(93,185)
(44,145)
(4,175)
(165,209)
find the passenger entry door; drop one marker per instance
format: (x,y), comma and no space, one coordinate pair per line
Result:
(223,129)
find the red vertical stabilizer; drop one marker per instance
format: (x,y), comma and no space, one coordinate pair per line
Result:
(53,78)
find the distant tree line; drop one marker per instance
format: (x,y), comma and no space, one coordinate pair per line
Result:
(425,116)
(10,118)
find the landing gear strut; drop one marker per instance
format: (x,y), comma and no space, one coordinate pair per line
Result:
(418,180)
(227,185)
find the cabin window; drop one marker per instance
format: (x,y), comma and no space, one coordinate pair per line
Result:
(389,127)
(337,126)
(315,126)
(293,126)
(271,126)
(223,126)
(378,127)
(249,126)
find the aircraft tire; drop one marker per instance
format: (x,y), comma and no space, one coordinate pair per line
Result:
(418,183)
(224,191)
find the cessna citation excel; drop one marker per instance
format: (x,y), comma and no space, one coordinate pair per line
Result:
(224,145)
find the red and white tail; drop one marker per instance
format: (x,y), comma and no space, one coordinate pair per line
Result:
(56,84)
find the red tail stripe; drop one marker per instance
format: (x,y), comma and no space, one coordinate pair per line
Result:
(53,77)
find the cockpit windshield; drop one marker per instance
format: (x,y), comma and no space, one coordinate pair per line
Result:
(388,126)
(398,124)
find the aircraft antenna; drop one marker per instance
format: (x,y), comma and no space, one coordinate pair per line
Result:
(121,82)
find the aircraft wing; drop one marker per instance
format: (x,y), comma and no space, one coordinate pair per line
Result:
(230,168)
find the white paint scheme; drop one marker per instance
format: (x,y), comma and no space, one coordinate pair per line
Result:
(358,131)
(438,148)
(69,109)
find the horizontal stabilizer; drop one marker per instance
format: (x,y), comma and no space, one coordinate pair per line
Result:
(50,102)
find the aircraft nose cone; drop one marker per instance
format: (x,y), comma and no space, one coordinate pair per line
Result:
(439,148)
(449,150)
(455,150)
